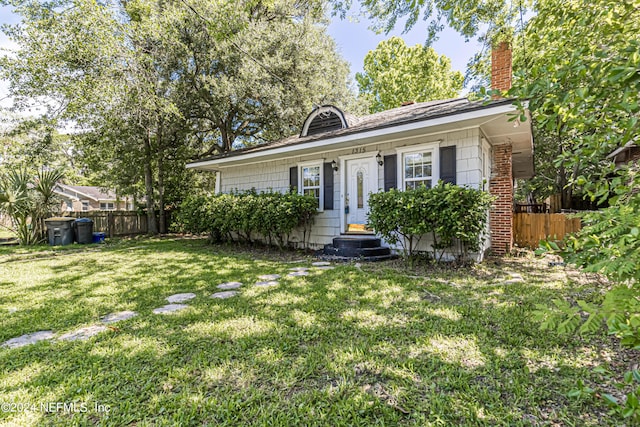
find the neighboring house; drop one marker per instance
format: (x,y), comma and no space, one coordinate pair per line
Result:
(341,158)
(630,152)
(80,198)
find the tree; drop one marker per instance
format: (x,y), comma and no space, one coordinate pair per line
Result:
(395,73)
(29,142)
(153,85)
(466,17)
(255,78)
(582,81)
(580,77)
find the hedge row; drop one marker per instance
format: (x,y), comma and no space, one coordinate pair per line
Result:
(455,217)
(247,216)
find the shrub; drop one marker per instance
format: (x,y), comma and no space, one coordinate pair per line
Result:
(246,215)
(455,217)
(607,244)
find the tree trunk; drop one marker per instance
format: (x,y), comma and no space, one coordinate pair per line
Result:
(148,184)
(162,217)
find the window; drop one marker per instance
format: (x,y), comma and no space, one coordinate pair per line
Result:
(418,165)
(69,204)
(311,181)
(85,206)
(107,206)
(418,169)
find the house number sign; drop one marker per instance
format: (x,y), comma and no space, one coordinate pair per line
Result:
(359,150)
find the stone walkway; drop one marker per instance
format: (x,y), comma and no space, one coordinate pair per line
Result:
(175,304)
(225,294)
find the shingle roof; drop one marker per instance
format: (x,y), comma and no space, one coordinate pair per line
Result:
(92,192)
(394,117)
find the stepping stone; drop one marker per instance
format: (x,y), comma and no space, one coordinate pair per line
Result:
(28,339)
(119,316)
(325,267)
(515,278)
(269,277)
(298,269)
(180,297)
(225,294)
(169,308)
(320,264)
(229,285)
(298,273)
(83,334)
(267,284)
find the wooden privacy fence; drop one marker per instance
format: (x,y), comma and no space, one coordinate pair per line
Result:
(530,228)
(115,223)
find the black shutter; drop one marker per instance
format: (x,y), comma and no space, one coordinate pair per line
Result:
(293,178)
(448,164)
(390,172)
(328,186)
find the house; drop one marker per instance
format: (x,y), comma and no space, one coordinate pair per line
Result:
(630,152)
(80,198)
(341,159)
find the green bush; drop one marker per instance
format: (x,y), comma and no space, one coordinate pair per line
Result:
(245,216)
(455,217)
(607,244)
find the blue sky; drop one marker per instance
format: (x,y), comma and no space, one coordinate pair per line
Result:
(354,40)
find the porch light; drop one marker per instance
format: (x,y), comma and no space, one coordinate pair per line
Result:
(379,159)
(334,166)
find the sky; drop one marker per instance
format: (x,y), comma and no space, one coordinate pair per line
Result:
(354,41)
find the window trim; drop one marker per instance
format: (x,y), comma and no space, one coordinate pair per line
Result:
(113,206)
(433,147)
(85,205)
(320,165)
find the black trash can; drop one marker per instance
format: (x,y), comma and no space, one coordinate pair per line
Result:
(59,230)
(84,230)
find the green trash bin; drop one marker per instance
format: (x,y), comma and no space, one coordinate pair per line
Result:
(84,230)
(59,230)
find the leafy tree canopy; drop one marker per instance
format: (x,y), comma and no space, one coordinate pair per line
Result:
(581,77)
(395,73)
(154,85)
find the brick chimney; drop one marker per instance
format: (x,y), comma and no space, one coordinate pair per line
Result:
(501,67)
(501,187)
(501,182)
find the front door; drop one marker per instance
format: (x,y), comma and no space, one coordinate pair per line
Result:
(360,182)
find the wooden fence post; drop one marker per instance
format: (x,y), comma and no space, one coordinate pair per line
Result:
(111,224)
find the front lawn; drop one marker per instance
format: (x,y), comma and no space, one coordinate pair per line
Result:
(369,344)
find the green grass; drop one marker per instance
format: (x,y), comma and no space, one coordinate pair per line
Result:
(368,345)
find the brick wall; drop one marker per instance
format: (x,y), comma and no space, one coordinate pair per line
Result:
(501,67)
(501,187)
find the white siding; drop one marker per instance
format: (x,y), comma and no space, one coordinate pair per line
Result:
(274,175)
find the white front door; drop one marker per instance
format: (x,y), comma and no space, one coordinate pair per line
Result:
(361,180)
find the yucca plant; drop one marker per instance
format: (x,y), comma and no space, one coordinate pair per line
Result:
(28,201)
